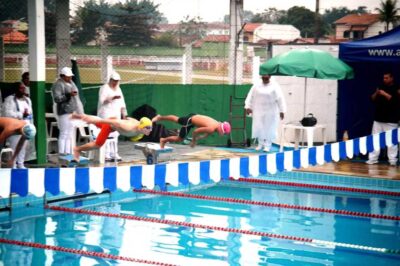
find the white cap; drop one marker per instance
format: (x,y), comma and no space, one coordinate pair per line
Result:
(115,76)
(66,71)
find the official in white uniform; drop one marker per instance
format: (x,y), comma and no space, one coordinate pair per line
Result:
(111,104)
(266,104)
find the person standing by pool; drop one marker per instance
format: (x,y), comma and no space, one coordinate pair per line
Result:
(266,104)
(386,116)
(66,96)
(25,81)
(111,104)
(18,106)
(205,126)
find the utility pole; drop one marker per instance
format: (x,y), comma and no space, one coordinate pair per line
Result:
(317,22)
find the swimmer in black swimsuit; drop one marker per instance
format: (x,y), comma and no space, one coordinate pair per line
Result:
(205,126)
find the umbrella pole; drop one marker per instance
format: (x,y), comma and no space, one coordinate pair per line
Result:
(305,97)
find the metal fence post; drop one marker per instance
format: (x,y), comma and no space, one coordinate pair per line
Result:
(187,65)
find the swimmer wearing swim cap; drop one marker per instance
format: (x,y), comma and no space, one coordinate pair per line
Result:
(29,131)
(128,127)
(205,126)
(146,125)
(11,126)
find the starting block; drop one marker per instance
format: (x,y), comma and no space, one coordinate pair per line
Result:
(152,150)
(68,161)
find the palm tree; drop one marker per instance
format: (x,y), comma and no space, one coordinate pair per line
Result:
(387,12)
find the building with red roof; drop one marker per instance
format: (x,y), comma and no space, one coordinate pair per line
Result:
(358,26)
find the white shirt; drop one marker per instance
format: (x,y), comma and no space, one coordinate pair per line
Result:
(107,107)
(267,102)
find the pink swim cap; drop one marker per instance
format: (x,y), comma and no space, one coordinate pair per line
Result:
(226,127)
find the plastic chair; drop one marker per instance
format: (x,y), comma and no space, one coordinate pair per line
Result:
(49,139)
(84,135)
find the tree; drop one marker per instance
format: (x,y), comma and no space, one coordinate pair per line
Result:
(387,12)
(270,15)
(50,28)
(165,39)
(302,18)
(191,29)
(136,23)
(88,18)
(15,9)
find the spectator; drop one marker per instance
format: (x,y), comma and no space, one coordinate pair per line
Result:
(386,116)
(266,104)
(18,106)
(112,105)
(25,81)
(66,97)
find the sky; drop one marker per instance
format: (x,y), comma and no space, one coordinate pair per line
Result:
(214,10)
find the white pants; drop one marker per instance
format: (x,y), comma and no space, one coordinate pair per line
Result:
(65,140)
(391,151)
(20,159)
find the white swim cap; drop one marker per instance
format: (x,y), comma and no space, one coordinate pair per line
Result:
(29,131)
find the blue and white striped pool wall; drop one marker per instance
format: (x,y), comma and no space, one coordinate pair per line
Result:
(69,181)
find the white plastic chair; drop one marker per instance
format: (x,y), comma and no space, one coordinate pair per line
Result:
(84,135)
(49,139)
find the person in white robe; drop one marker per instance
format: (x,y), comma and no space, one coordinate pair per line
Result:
(19,106)
(266,104)
(111,104)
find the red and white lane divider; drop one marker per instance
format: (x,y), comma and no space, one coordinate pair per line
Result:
(269,204)
(81,252)
(325,187)
(303,240)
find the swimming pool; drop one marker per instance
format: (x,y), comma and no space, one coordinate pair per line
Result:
(229,223)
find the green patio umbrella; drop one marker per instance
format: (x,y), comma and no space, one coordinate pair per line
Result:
(308,63)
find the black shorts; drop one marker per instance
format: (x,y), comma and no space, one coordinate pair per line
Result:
(186,122)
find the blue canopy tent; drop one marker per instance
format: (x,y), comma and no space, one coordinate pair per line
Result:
(369,58)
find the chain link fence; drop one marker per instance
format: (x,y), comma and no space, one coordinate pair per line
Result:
(167,57)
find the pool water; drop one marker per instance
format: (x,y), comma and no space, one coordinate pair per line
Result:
(184,245)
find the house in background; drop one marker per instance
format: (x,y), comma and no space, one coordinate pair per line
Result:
(220,38)
(13,31)
(359,26)
(248,31)
(217,28)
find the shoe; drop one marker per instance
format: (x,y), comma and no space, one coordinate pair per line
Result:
(109,160)
(371,162)
(266,149)
(20,166)
(259,147)
(393,163)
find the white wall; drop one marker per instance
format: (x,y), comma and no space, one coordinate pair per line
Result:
(375,28)
(275,32)
(321,95)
